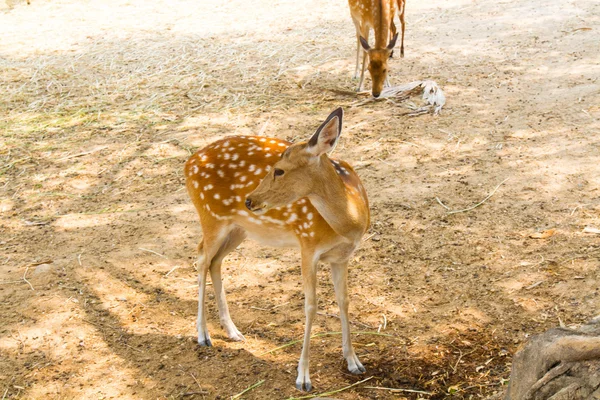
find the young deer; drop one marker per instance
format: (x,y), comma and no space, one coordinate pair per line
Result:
(280,194)
(379,16)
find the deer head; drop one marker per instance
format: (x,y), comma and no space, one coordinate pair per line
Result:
(302,166)
(378,63)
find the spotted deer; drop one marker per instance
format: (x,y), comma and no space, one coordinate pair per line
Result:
(379,16)
(285,195)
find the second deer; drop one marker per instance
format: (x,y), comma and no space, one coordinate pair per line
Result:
(379,16)
(304,199)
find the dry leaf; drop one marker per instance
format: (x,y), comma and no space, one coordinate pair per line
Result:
(543,235)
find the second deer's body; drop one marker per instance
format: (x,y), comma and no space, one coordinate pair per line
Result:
(377,15)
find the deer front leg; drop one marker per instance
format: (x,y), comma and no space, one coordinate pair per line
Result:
(309,277)
(362,73)
(364,62)
(339,275)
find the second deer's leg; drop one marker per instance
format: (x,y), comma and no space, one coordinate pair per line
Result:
(402,7)
(232,241)
(358,49)
(339,275)
(364,63)
(309,278)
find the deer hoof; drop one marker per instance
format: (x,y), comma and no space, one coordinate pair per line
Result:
(355,366)
(304,386)
(204,341)
(236,336)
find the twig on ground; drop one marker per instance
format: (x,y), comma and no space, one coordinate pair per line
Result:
(263,128)
(280,305)
(25,279)
(369,237)
(397,390)
(257,384)
(85,153)
(478,204)
(442,204)
(579,206)
(457,361)
(384,325)
(310,396)
(293,342)
(197,383)
(153,252)
(172,269)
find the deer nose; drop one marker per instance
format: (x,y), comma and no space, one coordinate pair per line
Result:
(248,204)
(376,95)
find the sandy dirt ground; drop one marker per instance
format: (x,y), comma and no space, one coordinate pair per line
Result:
(101,103)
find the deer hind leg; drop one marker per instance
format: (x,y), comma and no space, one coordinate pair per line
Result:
(232,241)
(393,31)
(358,48)
(309,278)
(339,275)
(211,243)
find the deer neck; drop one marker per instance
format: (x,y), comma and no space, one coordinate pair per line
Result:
(382,21)
(344,211)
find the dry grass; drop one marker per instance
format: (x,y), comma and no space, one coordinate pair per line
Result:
(102,102)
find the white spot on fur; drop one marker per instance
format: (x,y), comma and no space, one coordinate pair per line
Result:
(309,216)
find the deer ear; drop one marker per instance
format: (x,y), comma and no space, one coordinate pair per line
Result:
(326,137)
(365,44)
(392,42)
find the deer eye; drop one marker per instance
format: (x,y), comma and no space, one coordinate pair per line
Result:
(278,172)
